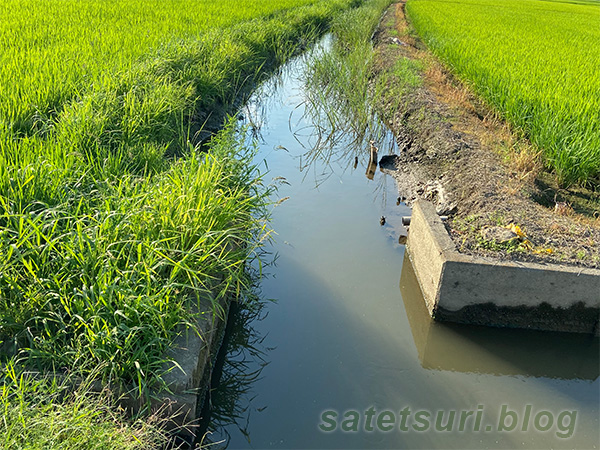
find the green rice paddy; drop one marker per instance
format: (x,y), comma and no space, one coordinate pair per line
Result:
(535,61)
(54,51)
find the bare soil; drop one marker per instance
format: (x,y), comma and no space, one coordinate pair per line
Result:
(456,152)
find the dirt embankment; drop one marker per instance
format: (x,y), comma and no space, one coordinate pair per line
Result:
(457,153)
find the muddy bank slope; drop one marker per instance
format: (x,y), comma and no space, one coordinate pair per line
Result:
(457,153)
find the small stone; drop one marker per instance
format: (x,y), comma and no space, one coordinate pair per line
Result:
(446,208)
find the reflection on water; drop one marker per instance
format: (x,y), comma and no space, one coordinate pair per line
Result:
(342,335)
(372,166)
(330,138)
(462,348)
(238,366)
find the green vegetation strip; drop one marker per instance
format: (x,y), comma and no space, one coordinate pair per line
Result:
(113,223)
(535,61)
(57,50)
(341,92)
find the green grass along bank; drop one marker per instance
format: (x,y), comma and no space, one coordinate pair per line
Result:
(534,62)
(113,222)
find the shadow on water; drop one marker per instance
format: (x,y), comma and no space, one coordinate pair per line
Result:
(494,350)
(308,367)
(237,366)
(376,369)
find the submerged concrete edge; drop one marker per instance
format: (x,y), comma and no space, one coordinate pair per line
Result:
(194,354)
(486,291)
(187,371)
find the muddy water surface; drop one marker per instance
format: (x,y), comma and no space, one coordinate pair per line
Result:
(347,330)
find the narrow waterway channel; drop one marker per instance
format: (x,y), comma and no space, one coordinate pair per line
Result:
(347,330)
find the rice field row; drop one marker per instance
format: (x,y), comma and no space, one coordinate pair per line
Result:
(535,61)
(55,50)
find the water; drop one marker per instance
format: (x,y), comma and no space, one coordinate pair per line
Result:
(348,329)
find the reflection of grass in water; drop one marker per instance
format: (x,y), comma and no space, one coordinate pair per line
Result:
(231,399)
(340,93)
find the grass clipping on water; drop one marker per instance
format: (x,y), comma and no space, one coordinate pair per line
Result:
(535,62)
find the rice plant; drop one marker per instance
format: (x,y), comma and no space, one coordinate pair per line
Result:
(535,61)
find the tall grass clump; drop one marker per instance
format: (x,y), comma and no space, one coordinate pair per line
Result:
(339,80)
(536,62)
(107,277)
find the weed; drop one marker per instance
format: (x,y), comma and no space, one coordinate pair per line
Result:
(341,91)
(46,412)
(408,71)
(511,246)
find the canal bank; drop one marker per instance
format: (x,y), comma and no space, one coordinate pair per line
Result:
(457,153)
(501,258)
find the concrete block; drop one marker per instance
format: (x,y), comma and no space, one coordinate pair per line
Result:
(187,380)
(486,291)
(459,347)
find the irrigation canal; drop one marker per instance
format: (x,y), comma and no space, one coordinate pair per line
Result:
(348,330)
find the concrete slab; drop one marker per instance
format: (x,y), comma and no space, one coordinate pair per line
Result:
(187,380)
(194,354)
(485,291)
(459,347)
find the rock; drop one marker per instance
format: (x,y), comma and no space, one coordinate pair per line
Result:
(389,161)
(498,234)
(446,208)
(395,40)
